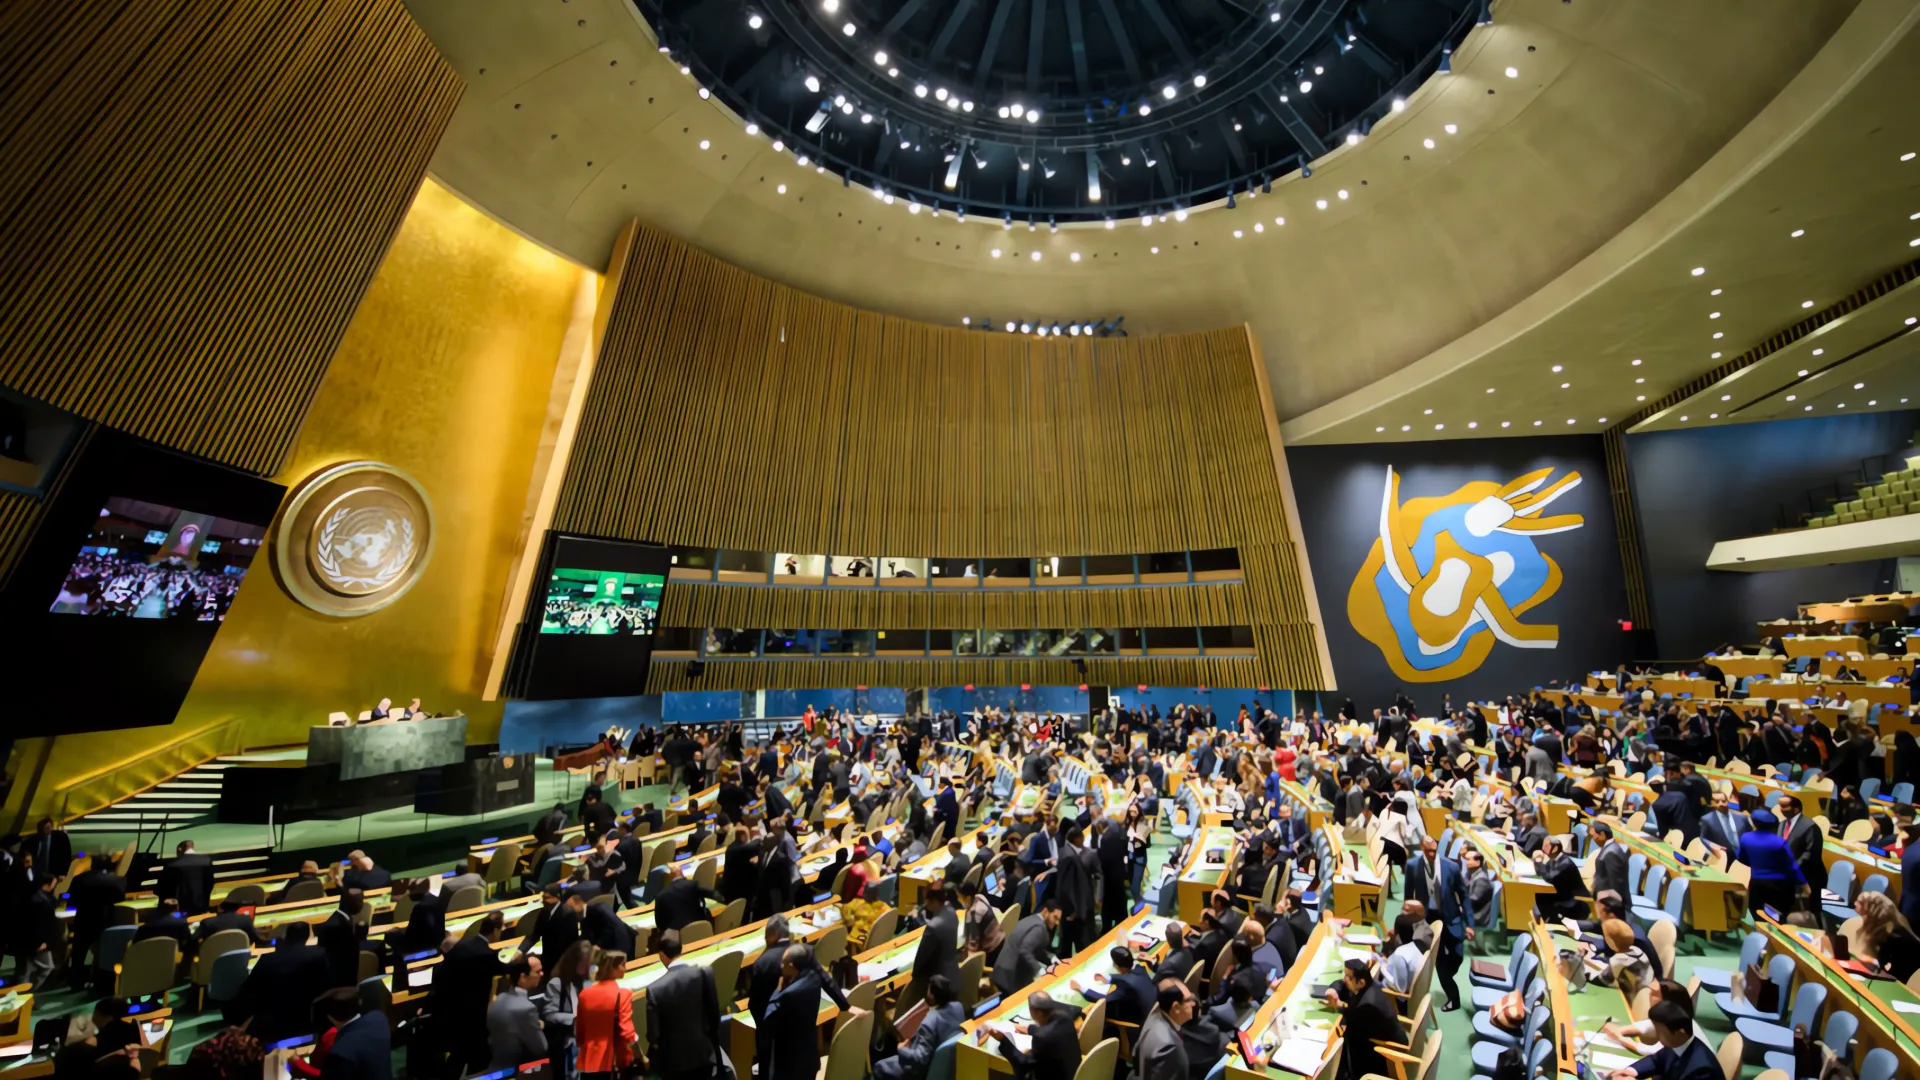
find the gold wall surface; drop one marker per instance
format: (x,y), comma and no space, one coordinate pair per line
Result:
(194,195)
(444,372)
(730,411)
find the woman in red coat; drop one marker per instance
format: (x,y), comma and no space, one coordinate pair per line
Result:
(603,1022)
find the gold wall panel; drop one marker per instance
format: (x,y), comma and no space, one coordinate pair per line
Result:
(445,372)
(194,195)
(728,411)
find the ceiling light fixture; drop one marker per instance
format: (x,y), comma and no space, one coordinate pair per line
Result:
(1399,104)
(1513,73)
(1200,80)
(848,29)
(754,21)
(1452,129)
(1428,143)
(1698,270)
(1797,233)
(1806,303)
(1168,91)
(1306,86)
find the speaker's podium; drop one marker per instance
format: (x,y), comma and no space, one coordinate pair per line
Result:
(364,768)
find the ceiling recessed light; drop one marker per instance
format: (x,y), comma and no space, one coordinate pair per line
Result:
(1713,416)
(1603,419)
(1168,92)
(1536,423)
(1428,143)
(1715,356)
(1342,193)
(1406,427)
(754,21)
(1683,419)
(1513,73)
(995,253)
(1641,379)
(1636,363)
(1279,221)
(1452,129)
(847,29)
(1506,423)
(1570,420)
(1239,234)
(1793,397)
(1489,389)
(1802,373)
(1642,397)
(1842,405)
(1718,334)
(1808,408)
(1565,385)
(1911,320)
(1817,352)
(781,189)
(1873,403)
(1320,203)
(1556,368)
(1439,427)
(1698,270)
(704,144)
(1036,256)
(1908,156)
(1380,429)
(1716,292)
(1429,412)
(1155,250)
(1798,233)
(1726,397)
(1473,423)
(1859,386)
(880,58)
(1806,303)
(1715,315)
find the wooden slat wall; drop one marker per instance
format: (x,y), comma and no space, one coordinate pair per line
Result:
(733,412)
(194,194)
(666,677)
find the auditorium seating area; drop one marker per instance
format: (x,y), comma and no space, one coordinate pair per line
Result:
(1895,493)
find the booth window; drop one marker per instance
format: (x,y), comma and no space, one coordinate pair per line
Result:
(1166,566)
(1172,640)
(846,643)
(789,643)
(724,642)
(1109,569)
(1227,640)
(1216,564)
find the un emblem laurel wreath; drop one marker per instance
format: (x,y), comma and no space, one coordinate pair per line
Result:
(389,569)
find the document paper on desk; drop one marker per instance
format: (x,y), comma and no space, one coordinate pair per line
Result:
(1303,1056)
(1907,1007)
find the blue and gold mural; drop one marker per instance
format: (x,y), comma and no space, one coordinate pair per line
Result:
(1450,576)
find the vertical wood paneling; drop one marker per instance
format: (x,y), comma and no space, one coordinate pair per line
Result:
(729,411)
(194,195)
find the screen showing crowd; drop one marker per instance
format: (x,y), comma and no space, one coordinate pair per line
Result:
(142,560)
(601,602)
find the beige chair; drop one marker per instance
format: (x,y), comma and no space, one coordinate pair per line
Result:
(839,880)
(147,968)
(707,843)
(248,895)
(1092,1026)
(1009,918)
(225,941)
(1428,1061)
(847,1054)
(972,970)
(661,854)
(402,910)
(466,898)
(831,947)
(1406,1058)
(885,925)
(1100,1061)
(707,874)
(1773,1074)
(860,997)
(729,918)
(369,965)
(877,819)
(1858,832)
(1662,935)
(1196,978)
(1642,1001)
(1675,838)
(301,891)
(526,923)
(502,865)
(1913,982)
(696,931)
(726,978)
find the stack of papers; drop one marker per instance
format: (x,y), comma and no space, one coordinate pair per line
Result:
(1355,954)
(1299,1055)
(1609,1062)
(1363,939)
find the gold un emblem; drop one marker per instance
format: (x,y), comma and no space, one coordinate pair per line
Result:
(353,538)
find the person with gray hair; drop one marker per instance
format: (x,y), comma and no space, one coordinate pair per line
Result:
(792,1020)
(763,981)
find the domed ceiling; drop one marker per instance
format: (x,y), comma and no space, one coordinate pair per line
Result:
(1061,110)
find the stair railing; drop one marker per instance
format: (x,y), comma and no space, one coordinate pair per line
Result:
(113,783)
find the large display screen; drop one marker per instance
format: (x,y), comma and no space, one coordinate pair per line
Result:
(133,566)
(143,560)
(601,602)
(588,632)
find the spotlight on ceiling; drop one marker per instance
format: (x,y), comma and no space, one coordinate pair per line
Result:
(818,120)
(953,172)
(813,84)
(880,58)
(755,22)
(940,94)
(1168,91)
(1200,80)
(1093,180)
(1306,86)
(1146,108)
(1033,116)
(1399,104)
(919,89)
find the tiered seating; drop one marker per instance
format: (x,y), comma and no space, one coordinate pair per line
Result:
(1893,494)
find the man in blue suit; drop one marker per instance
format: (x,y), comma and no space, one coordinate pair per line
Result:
(363,1050)
(1682,1055)
(1724,824)
(946,810)
(1438,883)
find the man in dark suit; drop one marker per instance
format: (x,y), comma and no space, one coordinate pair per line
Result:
(946,809)
(341,939)
(1805,842)
(683,901)
(188,879)
(281,988)
(1528,833)
(51,850)
(938,950)
(1697,789)
(1028,949)
(363,1050)
(1369,1017)
(1672,809)
(1180,956)
(362,874)
(944,1016)
(35,931)
(1724,824)
(959,864)
(93,892)
(1910,872)
(1074,886)
(1225,915)
(1212,939)
(1569,897)
(683,1017)
(1610,861)
(462,990)
(1043,848)
(228,918)
(1423,870)
(562,927)
(763,979)
(740,869)
(1682,1056)
(1056,1044)
(547,830)
(1129,994)
(603,926)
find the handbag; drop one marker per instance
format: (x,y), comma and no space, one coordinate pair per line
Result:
(1758,990)
(1509,1013)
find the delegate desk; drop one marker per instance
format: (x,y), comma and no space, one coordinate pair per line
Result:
(932,866)
(1357,880)
(1579,1015)
(1709,888)
(1316,810)
(1886,1008)
(1293,1032)
(1820,645)
(1520,881)
(1897,695)
(1211,856)
(1886,607)
(1748,667)
(978,1055)
(1865,863)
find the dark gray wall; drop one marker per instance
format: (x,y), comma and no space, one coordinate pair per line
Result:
(1692,488)
(1339,489)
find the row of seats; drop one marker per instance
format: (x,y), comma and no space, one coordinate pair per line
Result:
(1894,494)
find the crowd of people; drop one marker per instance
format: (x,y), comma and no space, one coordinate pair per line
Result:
(1075,868)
